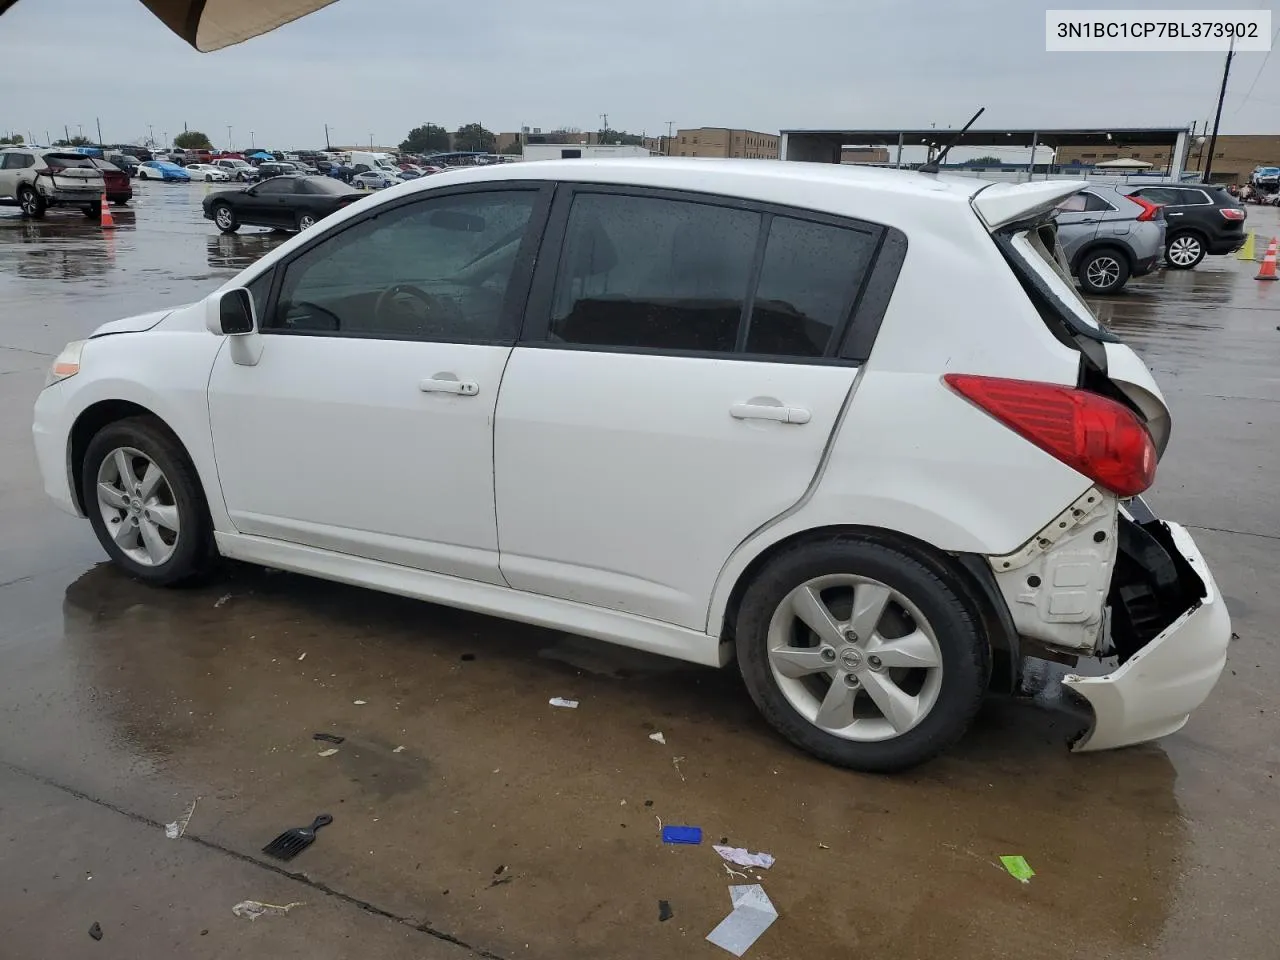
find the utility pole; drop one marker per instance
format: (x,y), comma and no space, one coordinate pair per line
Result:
(66,133)
(326,136)
(670,136)
(151,136)
(371,141)
(99,123)
(1217,117)
(604,125)
(228,138)
(250,139)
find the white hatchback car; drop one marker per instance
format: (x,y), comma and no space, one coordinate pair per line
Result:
(208,172)
(852,428)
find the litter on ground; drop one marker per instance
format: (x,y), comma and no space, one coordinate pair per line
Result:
(399,749)
(327,753)
(753,913)
(253,909)
(658,737)
(562,702)
(675,762)
(221,600)
(742,858)
(1018,868)
(328,737)
(359,703)
(176,829)
(96,930)
(292,842)
(664,911)
(691,835)
(302,657)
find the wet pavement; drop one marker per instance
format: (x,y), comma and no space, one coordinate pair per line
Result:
(473,819)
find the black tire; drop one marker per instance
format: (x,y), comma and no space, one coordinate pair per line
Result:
(208,178)
(93,212)
(1103,270)
(1187,246)
(225,218)
(119,203)
(194,553)
(940,598)
(32,202)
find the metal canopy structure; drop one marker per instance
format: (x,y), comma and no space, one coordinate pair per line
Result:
(824,146)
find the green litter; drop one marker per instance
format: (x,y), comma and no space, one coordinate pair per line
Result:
(1018,868)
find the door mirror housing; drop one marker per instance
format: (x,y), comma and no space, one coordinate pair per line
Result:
(231,313)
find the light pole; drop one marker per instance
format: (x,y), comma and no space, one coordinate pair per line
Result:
(250,139)
(326,137)
(228,138)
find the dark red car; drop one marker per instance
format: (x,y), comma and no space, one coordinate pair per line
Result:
(118,188)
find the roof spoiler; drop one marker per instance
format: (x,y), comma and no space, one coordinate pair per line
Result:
(1000,204)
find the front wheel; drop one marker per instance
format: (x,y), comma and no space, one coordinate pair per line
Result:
(306,221)
(1103,271)
(208,178)
(145,502)
(862,652)
(225,218)
(1184,251)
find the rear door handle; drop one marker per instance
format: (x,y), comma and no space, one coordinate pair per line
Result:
(449,383)
(769,411)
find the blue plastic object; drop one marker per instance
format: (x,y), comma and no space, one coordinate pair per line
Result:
(682,835)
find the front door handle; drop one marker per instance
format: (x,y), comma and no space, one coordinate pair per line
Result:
(774,411)
(449,383)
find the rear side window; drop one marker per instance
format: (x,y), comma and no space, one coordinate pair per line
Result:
(1084,202)
(669,275)
(646,272)
(17,161)
(806,286)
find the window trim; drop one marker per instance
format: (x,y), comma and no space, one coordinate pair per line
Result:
(843,349)
(517,295)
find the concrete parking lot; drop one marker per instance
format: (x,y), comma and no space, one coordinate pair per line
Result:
(473,819)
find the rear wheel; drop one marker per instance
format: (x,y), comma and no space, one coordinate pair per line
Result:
(1184,251)
(306,221)
(225,218)
(93,211)
(1103,271)
(862,652)
(145,502)
(32,203)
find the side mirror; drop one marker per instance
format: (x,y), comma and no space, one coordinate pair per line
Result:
(231,313)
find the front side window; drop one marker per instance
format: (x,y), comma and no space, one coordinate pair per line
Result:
(651,273)
(277,185)
(436,269)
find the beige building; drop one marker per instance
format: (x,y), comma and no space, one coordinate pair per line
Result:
(864,154)
(1234,155)
(724,142)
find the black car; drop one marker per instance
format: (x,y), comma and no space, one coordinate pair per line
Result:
(1201,219)
(289,203)
(277,168)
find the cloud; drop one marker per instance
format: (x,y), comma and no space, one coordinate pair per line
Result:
(379,67)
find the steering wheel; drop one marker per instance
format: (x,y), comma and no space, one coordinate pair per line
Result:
(431,315)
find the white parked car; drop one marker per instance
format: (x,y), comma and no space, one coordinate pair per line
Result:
(236,169)
(376,179)
(851,428)
(207,172)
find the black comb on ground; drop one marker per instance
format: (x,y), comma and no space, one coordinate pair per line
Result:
(292,842)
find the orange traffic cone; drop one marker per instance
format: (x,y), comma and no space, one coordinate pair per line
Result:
(109,223)
(1268,269)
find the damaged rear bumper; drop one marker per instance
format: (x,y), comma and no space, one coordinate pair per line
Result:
(1155,690)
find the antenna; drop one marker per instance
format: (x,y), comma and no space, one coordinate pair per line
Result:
(933,165)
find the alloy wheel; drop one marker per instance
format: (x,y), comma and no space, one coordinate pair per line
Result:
(30,203)
(835,638)
(306,222)
(138,506)
(1184,251)
(223,218)
(1103,272)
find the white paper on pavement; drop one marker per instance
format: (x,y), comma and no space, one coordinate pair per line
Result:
(753,914)
(742,858)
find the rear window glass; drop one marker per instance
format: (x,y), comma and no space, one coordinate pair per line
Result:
(1038,249)
(327,185)
(68,160)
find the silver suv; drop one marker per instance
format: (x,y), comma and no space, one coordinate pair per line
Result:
(1108,237)
(39,179)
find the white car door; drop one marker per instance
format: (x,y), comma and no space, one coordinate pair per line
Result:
(680,375)
(366,425)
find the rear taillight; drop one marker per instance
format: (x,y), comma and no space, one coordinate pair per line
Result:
(44,171)
(1231,213)
(1089,433)
(1150,211)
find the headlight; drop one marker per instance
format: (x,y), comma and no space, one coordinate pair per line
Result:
(66,364)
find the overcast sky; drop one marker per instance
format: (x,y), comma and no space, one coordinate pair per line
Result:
(379,67)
